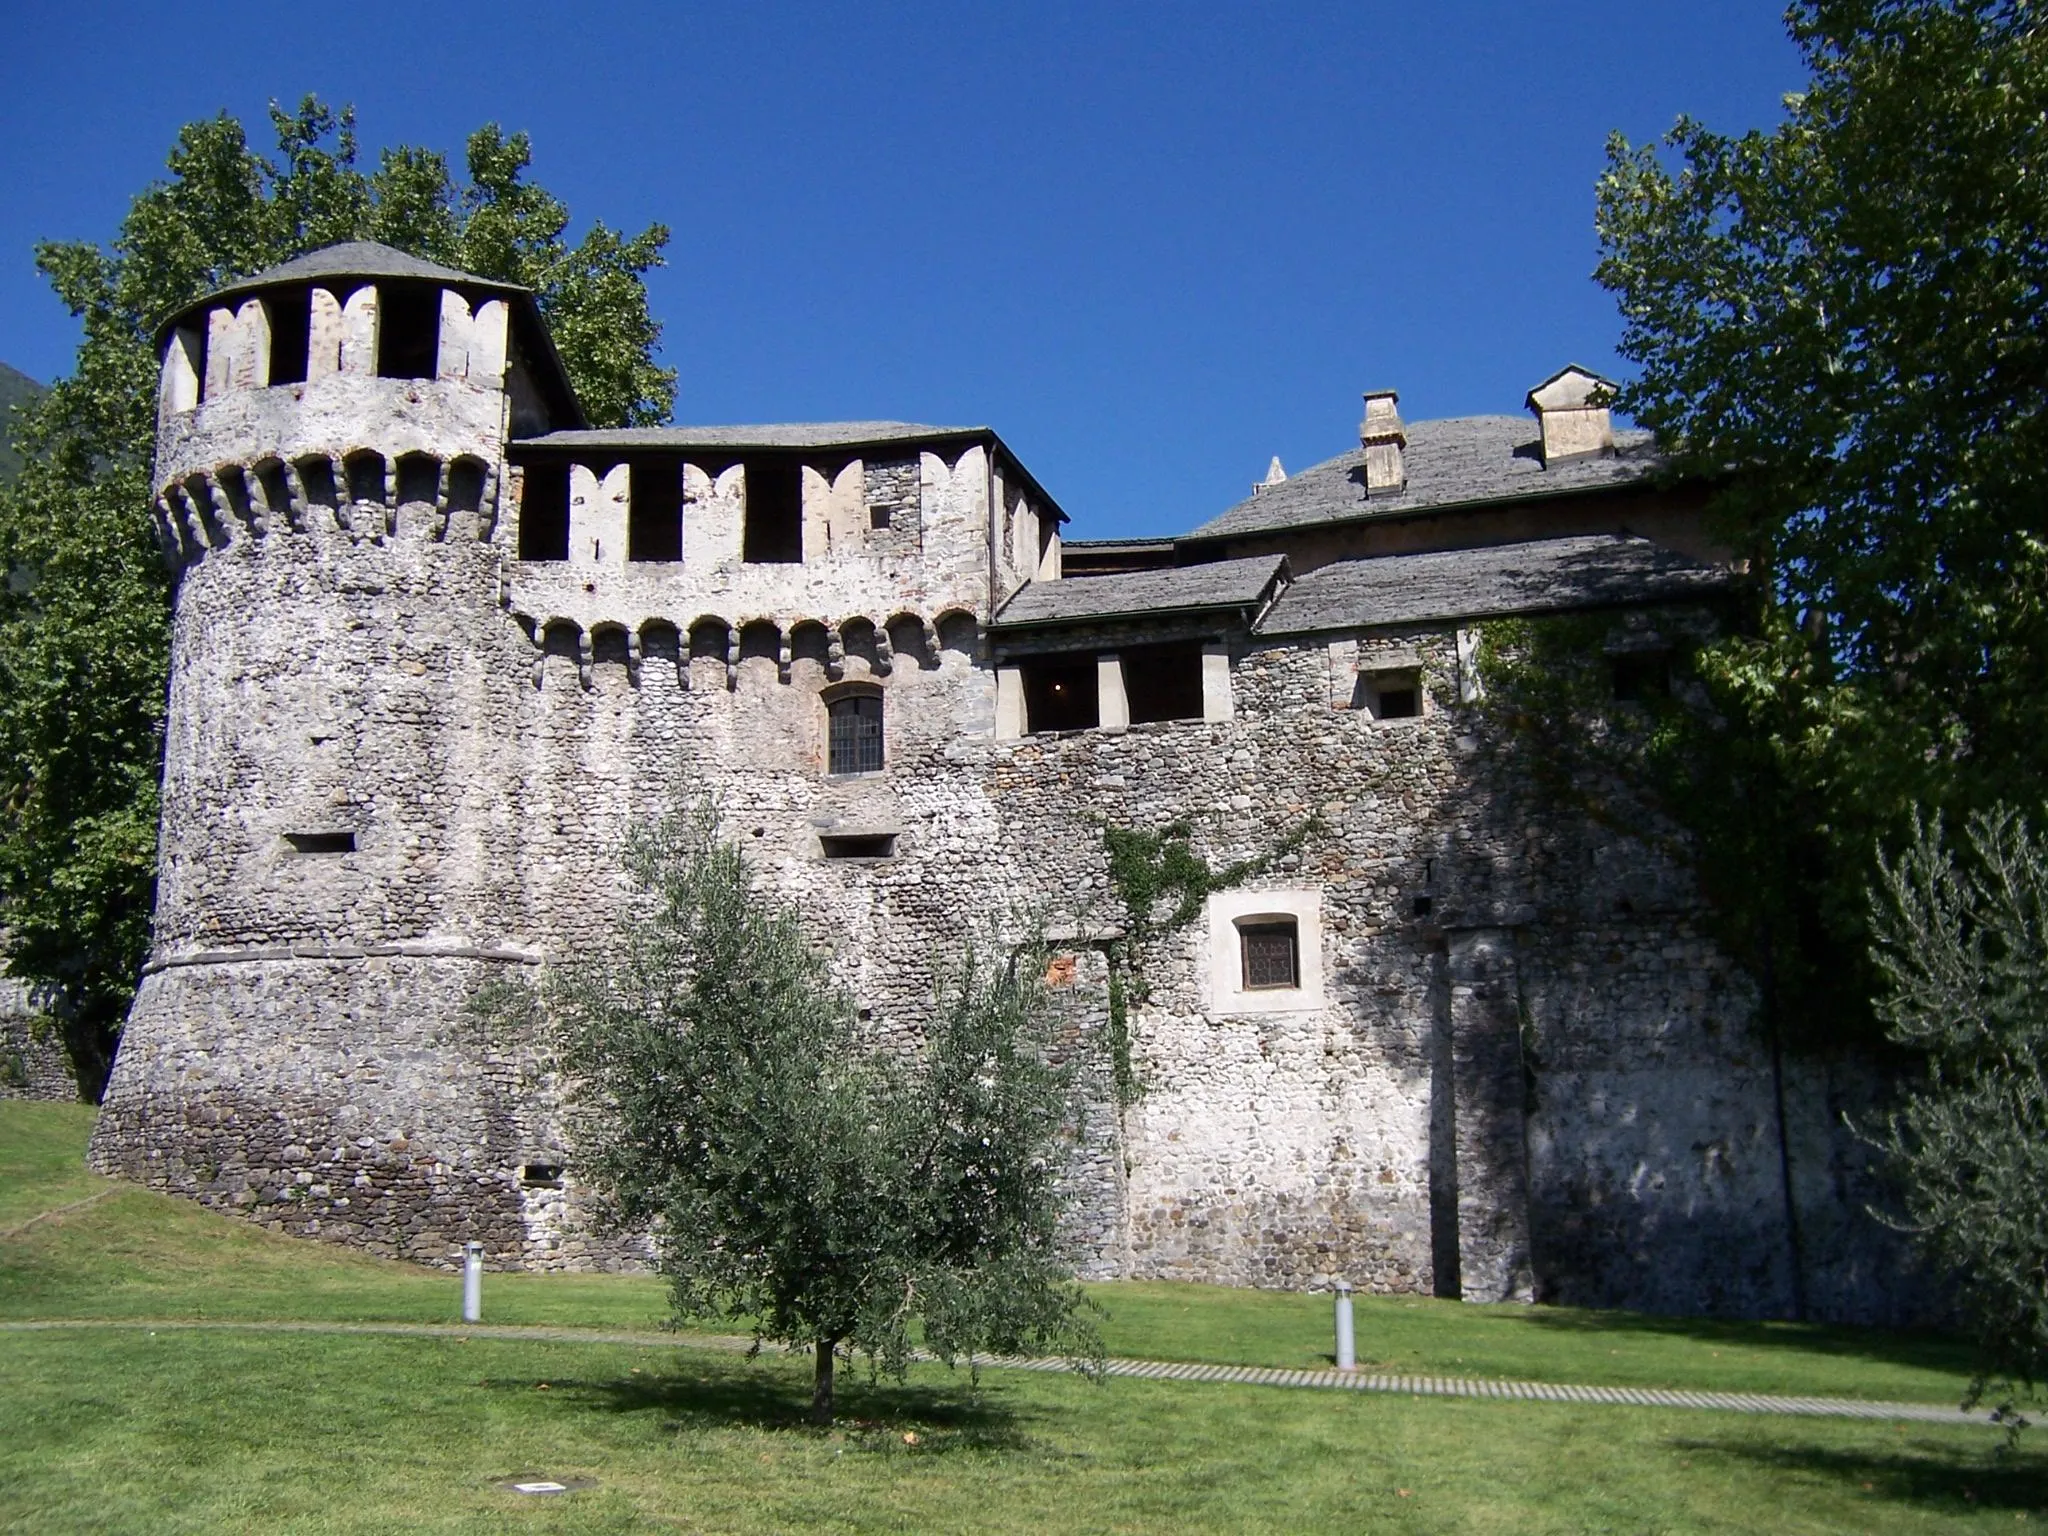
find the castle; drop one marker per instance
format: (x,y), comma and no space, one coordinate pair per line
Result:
(437,645)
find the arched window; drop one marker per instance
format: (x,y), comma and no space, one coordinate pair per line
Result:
(855,743)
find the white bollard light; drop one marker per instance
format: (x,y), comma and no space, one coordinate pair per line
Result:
(1347,1343)
(473,1283)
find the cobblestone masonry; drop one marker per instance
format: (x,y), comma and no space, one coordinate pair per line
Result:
(32,1060)
(400,762)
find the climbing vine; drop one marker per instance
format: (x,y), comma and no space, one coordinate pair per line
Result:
(1149,870)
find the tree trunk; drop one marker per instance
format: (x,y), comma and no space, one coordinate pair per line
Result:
(821,1383)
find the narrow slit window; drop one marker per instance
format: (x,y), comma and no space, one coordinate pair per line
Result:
(544,513)
(857,845)
(856,734)
(321,842)
(1272,955)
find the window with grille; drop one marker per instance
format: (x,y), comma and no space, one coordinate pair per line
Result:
(856,739)
(1271,955)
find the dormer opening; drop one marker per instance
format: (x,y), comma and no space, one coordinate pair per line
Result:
(774,531)
(1163,682)
(408,330)
(1061,693)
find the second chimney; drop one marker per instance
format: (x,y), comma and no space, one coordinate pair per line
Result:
(1384,440)
(1571,406)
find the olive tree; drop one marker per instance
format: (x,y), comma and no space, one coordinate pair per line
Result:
(826,1191)
(1962,943)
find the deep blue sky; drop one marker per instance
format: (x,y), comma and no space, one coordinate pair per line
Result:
(1152,244)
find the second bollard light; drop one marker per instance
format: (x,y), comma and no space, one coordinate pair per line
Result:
(1347,1343)
(473,1283)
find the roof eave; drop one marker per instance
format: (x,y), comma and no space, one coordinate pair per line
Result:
(1436,508)
(1486,615)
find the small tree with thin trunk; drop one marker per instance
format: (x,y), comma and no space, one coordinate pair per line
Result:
(829,1193)
(1963,946)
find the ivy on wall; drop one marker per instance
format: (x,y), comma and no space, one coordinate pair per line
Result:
(1151,871)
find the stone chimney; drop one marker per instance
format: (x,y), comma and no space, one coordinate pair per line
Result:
(1275,475)
(1384,440)
(1571,406)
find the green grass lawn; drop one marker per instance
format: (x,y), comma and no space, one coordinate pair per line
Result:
(121,1429)
(136,1254)
(124,1431)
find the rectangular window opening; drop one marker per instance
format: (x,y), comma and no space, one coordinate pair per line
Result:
(291,323)
(1271,955)
(774,531)
(321,842)
(1640,676)
(544,513)
(654,517)
(855,744)
(1163,682)
(408,330)
(1389,695)
(1060,694)
(858,845)
(540,1175)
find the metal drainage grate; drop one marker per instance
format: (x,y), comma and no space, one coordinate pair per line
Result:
(542,1487)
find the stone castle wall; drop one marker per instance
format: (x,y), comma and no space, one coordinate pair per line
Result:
(400,763)
(1547,1084)
(32,1060)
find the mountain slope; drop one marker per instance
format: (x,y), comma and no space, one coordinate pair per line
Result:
(16,388)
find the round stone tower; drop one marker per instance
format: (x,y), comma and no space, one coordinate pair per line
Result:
(333,875)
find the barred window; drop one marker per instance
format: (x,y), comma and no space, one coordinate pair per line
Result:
(1271,955)
(856,740)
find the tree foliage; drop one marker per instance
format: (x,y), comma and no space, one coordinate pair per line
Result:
(85,604)
(825,1192)
(1685,768)
(1840,323)
(1963,947)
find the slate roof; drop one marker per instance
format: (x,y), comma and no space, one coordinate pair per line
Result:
(1593,571)
(1220,584)
(368,258)
(778,434)
(1119,546)
(351,258)
(1459,460)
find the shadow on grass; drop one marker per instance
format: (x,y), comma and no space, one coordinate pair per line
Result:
(1932,1473)
(1920,1349)
(880,1415)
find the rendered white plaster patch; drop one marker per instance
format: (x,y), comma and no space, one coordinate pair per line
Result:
(1228,912)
